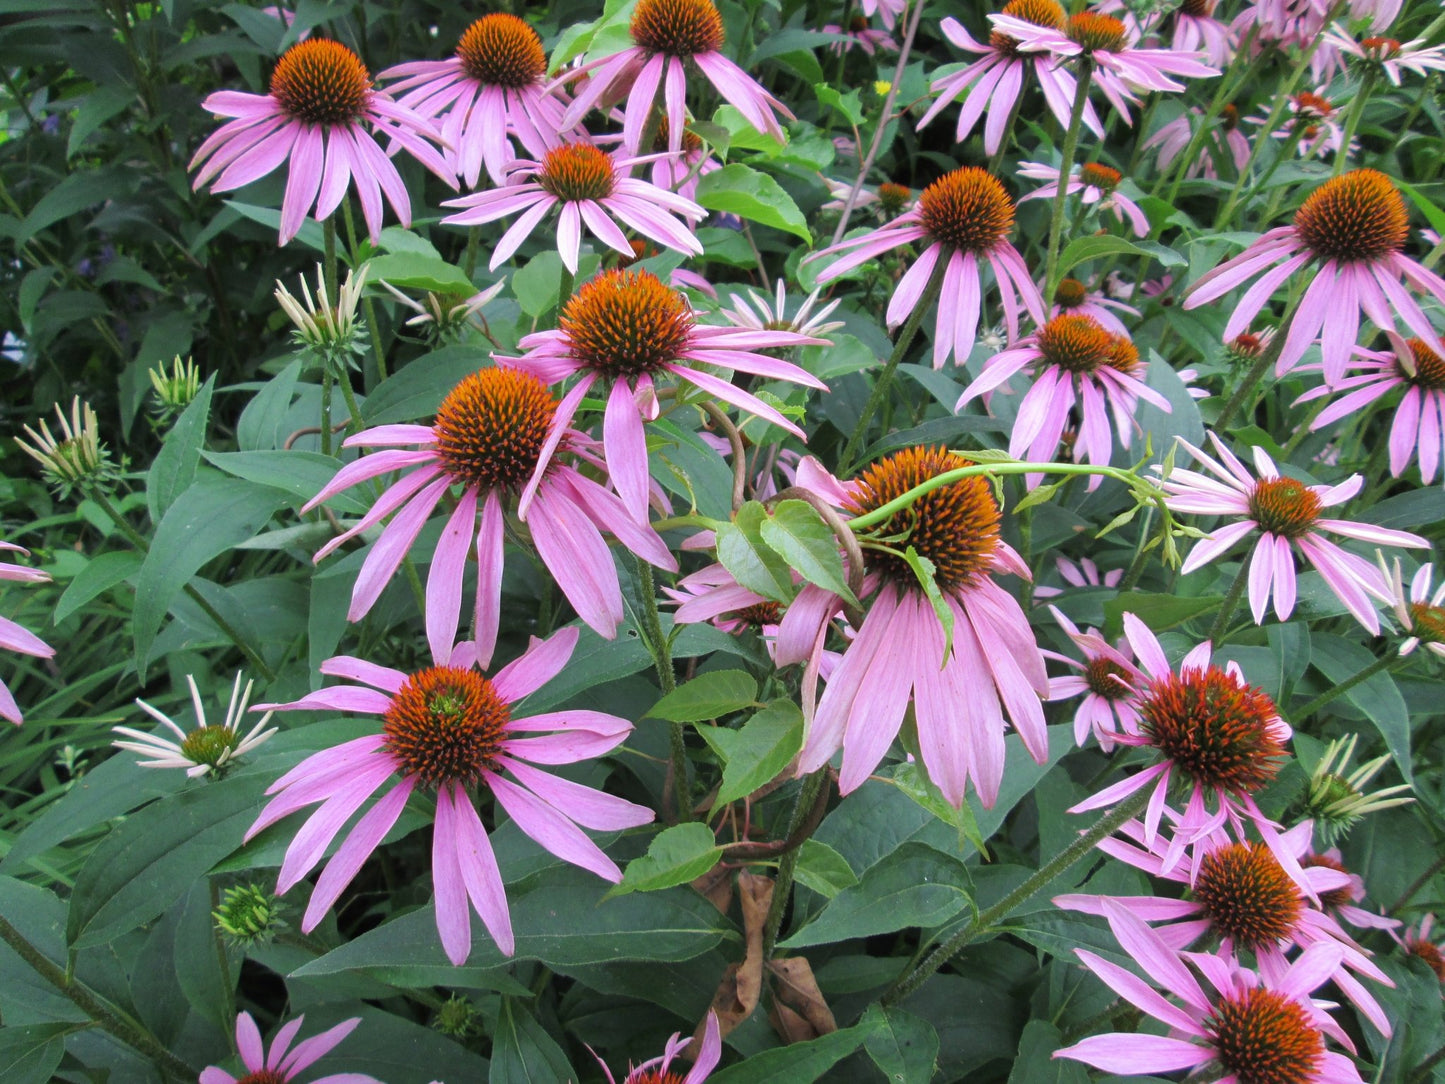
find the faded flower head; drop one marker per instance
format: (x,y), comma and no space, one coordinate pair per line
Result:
(205,749)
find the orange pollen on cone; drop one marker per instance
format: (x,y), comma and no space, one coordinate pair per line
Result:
(894,197)
(1427,622)
(1247,345)
(1107,678)
(491,427)
(1075,343)
(760,613)
(1334,897)
(446,725)
(576,172)
(1124,356)
(1430,953)
(653,1076)
(262,1076)
(320,81)
(1312,105)
(1070,293)
(625,323)
(1200,9)
(501,50)
(1247,895)
(1215,728)
(691,141)
(955,526)
(1046,13)
(1381,48)
(677,27)
(1284,507)
(1356,216)
(1102,177)
(1264,1037)
(1429,367)
(967,209)
(1096,32)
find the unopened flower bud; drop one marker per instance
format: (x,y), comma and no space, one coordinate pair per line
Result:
(1336,801)
(76,458)
(331,331)
(174,390)
(248,915)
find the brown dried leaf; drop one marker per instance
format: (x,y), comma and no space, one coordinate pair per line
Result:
(795,987)
(717,886)
(742,983)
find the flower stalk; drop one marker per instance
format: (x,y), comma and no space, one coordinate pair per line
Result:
(1066,167)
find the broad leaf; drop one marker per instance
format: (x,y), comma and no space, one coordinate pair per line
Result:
(676,856)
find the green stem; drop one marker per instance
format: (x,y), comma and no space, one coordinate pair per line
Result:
(1227,607)
(1352,121)
(1141,557)
(326,381)
(106,1016)
(469,260)
(1066,168)
(222,959)
(565,287)
(369,308)
(328,266)
(657,646)
(141,545)
(1004,143)
(1423,1071)
(783,883)
(881,386)
(1106,826)
(1302,429)
(1223,93)
(1384,662)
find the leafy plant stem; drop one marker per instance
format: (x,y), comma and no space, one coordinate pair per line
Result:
(1066,167)
(879,394)
(106,1016)
(222,960)
(1106,826)
(657,647)
(1228,606)
(1352,120)
(1384,662)
(328,232)
(783,883)
(1244,392)
(369,308)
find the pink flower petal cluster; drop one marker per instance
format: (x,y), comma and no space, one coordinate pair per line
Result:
(285,1063)
(12,636)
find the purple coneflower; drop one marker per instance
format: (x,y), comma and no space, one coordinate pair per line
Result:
(1254,1029)
(1418,427)
(591,188)
(1073,297)
(659,1070)
(667,35)
(1074,360)
(1242,897)
(315,115)
(757,312)
(887,10)
(12,636)
(1084,574)
(859,33)
(1197,30)
(488,438)
(1419,613)
(1286,513)
(961,695)
(1417,941)
(994,84)
(1119,68)
(1097,183)
(285,1062)
(1314,123)
(1354,228)
(1393,57)
(1344,901)
(963,218)
(1107,679)
(490,92)
(626,327)
(1216,735)
(450,728)
(1228,142)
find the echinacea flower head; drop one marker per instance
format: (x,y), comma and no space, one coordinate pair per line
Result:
(285,1063)
(1335,797)
(1418,942)
(754,310)
(961,689)
(315,117)
(1389,55)
(1106,679)
(626,328)
(1420,613)
(1353,228)
(660,1071)
(174,390)
(1074,360)
(1097,182)
(75,459)
(446,318)
(672,39)
(964,219)
(1344,902)
(1197,30)
(1118,66)
(206,749)
(12,636)
(858,32)
(587,187)
(329,329)
(992,85)
(491,91)
(1313,123)
(1288,516)
(1072,296)
(450,729)
(1217,736)
(1417,430)
(248,914)
(1256,1029)
(1228,142)
(488,438)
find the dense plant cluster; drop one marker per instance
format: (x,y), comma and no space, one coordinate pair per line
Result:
(722,541)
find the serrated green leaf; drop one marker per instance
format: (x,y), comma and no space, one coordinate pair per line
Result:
(752,562)
(754,754)
(743,191)
(924,569)
(676,856)
(718,692)
(849,105)
(798,534)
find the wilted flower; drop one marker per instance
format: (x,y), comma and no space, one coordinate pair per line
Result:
(205,749)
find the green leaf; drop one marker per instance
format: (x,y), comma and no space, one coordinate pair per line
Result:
(302,475)
(915,885)
(1378,698)
(903,1046)
(151,859)
(101,573)
(175,464)
(752,562)
(1036,1063)
(538,285)
(676,856)
(205,521)
(71,196)
(417,271)
(743,191)
(523,1052)
(100,105)
(1159,612)
(309,235)
(402,242)
(823,869)
(718,692)
(1432,213)
(797,1063)
(798,534)
(416,391)
(848,105)
(755,754)
(790,41)
(912,781)
(30,1053)
(924,569)
(1083,249)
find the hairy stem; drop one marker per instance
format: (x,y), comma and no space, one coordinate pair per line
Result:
(813,787)
(657,646)
(1066,167)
